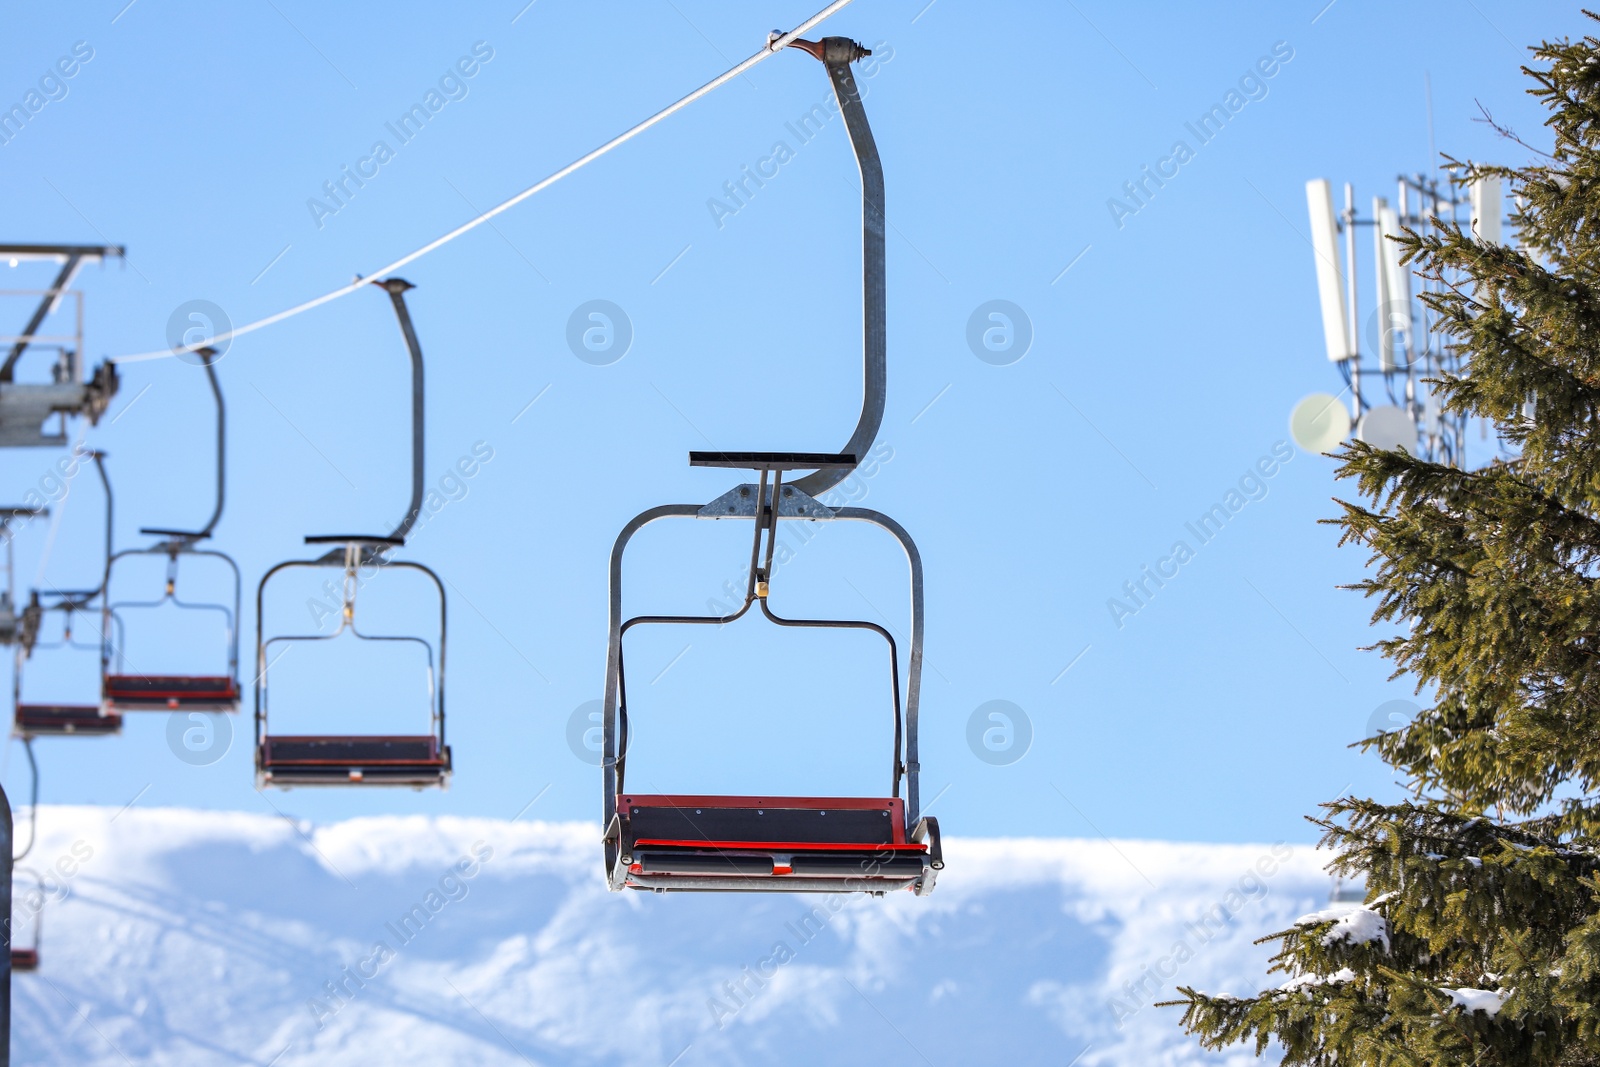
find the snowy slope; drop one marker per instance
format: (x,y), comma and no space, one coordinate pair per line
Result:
(186,937)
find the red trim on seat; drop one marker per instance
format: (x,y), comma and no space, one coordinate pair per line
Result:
(781,846)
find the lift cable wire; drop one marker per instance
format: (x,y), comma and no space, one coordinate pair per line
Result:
(776,43)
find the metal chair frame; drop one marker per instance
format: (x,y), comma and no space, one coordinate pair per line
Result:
(69,602)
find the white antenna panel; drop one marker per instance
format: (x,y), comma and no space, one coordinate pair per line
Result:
(1486,209)
(1394,289)
(1330,279)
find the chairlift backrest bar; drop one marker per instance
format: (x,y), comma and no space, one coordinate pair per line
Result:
(775,461)
(355,539)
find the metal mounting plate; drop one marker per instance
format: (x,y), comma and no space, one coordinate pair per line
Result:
(740,503)
(25,406)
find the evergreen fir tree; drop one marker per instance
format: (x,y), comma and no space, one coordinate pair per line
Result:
(1479,940)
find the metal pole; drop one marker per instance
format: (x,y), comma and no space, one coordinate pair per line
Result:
(5,957)
(1351,315)
(1428,367)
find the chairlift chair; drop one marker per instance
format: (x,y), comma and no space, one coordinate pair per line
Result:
(126,689)
(25,406)
(416,760)
(769,843)
(26,958)
(30,720)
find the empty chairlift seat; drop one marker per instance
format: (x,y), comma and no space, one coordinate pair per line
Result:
(35,718)
(805,844)
(418,760)
(171,692)
(765,843)
(24,959)
(58,720)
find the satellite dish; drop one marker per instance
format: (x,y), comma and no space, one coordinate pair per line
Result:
(1330,279)
(1319,423)
(1388,427)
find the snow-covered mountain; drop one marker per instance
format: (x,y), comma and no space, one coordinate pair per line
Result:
(187,937)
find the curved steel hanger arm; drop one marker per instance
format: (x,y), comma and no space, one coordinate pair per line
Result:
(208,358)
(837,53)
(99,458)
(81,598)
(373,547)
(396,288)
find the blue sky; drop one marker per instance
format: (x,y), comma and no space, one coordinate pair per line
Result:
(1162,368)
